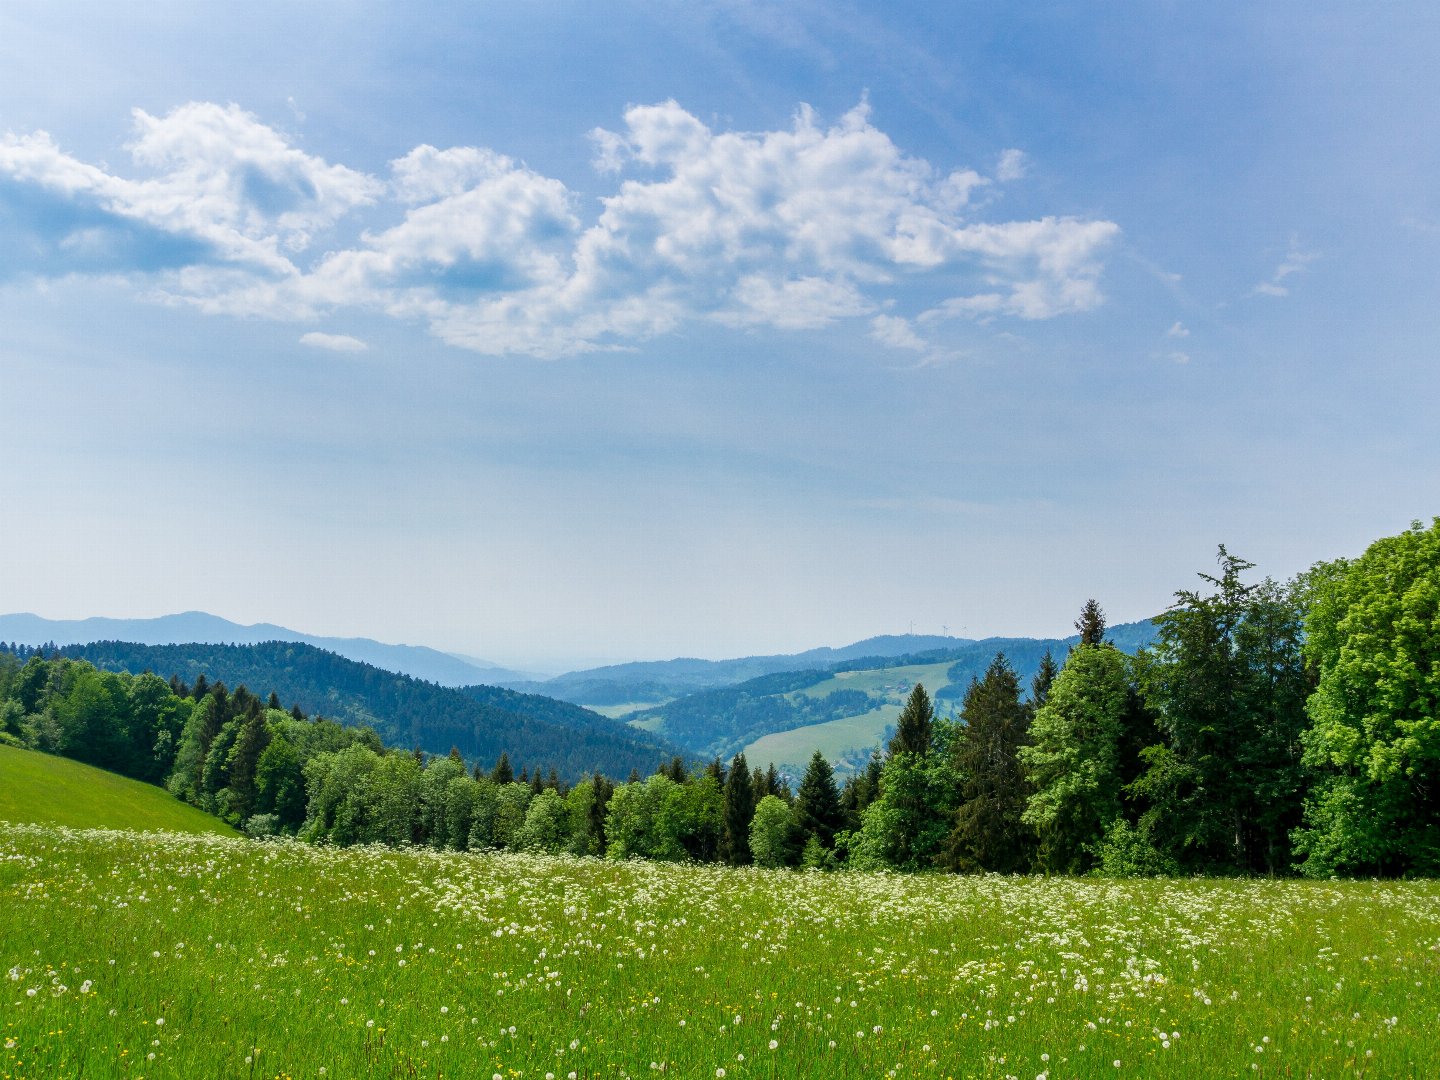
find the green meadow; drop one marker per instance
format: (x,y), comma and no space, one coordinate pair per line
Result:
(173,955)
(37,787)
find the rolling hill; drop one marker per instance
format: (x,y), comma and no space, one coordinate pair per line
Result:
(621,689)
(843,710)
(43,789)
(481,721)
(198,626)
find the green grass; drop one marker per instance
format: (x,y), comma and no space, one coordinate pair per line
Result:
(124,954)
(41,788)
(644,723)
(894,683)
(791,750)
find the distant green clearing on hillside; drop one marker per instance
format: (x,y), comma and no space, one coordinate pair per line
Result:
(620,712)
(170,956)
(44,789)
(894,682)
(648,723)
(791,750)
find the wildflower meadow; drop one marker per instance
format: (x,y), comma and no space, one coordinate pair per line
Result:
(170,955)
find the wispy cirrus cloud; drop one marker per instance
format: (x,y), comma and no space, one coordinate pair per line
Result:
(333,342)
(787,230)
(1295,262)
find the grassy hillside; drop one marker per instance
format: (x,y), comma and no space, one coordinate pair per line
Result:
(40,788)
(848,737)
(182,957)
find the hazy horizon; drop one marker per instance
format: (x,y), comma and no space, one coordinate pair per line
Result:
(555,665)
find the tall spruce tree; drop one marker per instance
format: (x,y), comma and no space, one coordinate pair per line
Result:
(817,803)
(1043,680)
(1227,684)
(914,727)
(716,771)
(502,773)
(739,809)
(988,833)
(776,785)
(1091,624)
(590,836)
(250,742)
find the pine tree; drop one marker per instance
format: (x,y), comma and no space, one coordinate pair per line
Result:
(849,801)
(739,810)
(1044,679)
(250,743)
(817,804)
(914,728)
(987,833)
(600,801)
(1227,683)
(503,773)
(1091,624)
(775,785)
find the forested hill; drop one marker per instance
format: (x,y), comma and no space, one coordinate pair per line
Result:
(417,660)
(480,721)
(722,720)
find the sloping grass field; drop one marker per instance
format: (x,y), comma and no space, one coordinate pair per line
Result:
(129,954)
(42,788)
(791,750)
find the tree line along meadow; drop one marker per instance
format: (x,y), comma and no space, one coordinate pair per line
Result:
(1272,728)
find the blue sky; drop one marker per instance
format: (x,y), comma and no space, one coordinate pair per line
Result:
(553,334)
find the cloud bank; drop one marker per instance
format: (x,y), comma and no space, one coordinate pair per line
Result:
(789,230)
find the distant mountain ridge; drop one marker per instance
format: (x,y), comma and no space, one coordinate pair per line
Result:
(659,680)
(843,709)
(201,627)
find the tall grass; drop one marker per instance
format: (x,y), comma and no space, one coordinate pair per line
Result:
(163,955)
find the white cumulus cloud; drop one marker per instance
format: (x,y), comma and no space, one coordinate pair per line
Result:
(793,229)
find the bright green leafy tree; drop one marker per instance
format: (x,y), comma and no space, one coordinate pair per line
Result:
(1373,640)
(1073,760)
